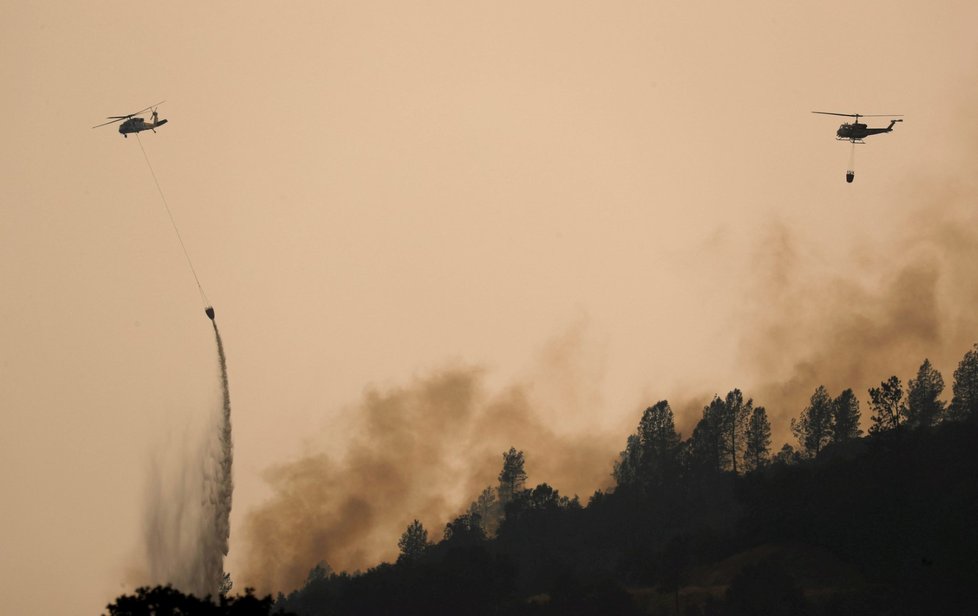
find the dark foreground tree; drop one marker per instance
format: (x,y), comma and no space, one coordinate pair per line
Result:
(705,448)
(736,414)
(845,417)
(651,454)
(889,408)
(924,408)
(787,455)
(513,476)
(814,428)
(659,442)
(413,543)
(964,404)
(168,601)
(757,439)
(465,529)
(626,467)
(487,507)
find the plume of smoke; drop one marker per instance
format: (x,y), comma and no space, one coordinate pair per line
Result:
(189,504)
(425,450)
(903,296)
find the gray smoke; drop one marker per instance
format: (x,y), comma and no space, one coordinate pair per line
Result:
(189,506)
(905,294)
(424,450)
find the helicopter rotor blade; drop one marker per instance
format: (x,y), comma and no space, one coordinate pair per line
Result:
(126,117)
(861,115)
(148,108)
(112,121)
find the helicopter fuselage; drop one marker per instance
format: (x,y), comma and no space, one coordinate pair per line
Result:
(135,125)
(857,131)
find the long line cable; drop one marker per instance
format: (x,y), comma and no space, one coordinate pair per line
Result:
(166,206)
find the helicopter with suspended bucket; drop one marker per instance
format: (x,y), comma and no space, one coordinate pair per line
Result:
(132,124)
(855,132)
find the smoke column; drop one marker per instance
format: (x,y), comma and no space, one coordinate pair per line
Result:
(189,506)
(422,450)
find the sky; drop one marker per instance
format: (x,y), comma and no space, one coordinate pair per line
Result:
(580,208)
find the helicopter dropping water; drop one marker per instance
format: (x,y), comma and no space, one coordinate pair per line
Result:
(188,521)
(855,132)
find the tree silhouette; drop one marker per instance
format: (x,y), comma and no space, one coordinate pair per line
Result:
(651,454)
(964,403)
(543,498)
(845,417)
(413,542)
(626,468)
(320,572)
(513,476)
(814,428)
(757,440)
(168,601)
(706,444)
(733,424)
(888,406)
(859,530)
(465,529)
(786,455)
(923,406)
(487,507)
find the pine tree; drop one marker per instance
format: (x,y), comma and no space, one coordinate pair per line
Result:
(487,508)
(736,413)
(757,440)
(413,543)
(787,455)
(658,442)
(626,469)
(651,455)
(513,476)
(705,449)
(845,417)
(888,406)
(814,428)
(923,406)
(320,572)
(964,403)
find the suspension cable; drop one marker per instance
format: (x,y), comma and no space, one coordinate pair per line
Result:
(173,222)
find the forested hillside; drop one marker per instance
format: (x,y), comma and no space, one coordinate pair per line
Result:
(716,523)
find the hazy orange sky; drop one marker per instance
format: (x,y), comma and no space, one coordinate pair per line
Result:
(608,203)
